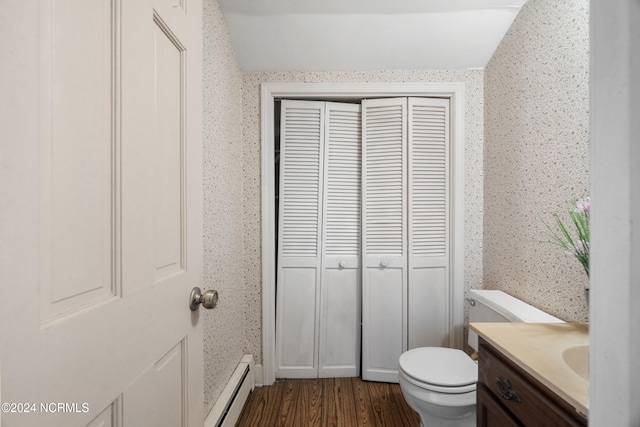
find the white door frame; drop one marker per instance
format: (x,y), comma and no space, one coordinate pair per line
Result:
(337,91)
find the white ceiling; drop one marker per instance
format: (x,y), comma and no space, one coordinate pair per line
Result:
(347,35)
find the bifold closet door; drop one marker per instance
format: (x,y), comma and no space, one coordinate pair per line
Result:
(299,239)
(406,230)
(339,349)
(384,246)
(363,228)
(318,287)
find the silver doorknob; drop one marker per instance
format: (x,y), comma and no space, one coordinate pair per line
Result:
(208,299)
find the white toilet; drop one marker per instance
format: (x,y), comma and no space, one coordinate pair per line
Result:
(440,383)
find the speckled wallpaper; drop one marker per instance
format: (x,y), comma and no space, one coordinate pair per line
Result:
(536,154)
(473,80)
(224,327)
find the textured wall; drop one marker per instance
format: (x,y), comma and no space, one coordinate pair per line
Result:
(252,196)
(224,327)
(536,153)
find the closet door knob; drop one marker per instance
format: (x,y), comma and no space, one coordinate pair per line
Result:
(384,263)
(342,264)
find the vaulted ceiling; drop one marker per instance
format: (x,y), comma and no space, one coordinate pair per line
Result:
(347,35)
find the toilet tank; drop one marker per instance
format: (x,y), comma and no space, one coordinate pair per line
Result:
(497,306)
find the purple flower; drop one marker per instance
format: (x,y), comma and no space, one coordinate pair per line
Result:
(583,206)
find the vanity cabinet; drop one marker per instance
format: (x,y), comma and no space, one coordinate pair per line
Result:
(508,396)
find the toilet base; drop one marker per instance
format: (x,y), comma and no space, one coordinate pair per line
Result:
(427,420)
(451,410)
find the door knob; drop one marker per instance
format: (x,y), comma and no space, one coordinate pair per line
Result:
(208,299)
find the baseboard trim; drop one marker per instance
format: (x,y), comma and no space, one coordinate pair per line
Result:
(228,407)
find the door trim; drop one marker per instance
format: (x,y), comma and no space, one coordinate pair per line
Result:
(454,91)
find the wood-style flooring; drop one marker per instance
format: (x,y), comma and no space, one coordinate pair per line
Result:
(328,402)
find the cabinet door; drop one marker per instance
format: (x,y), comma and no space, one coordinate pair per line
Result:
(490,413)
(299,239)
(339,350)
(384,272)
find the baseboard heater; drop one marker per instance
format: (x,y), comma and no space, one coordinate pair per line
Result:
(227,409)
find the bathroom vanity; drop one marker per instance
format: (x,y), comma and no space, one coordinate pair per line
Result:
(532,374)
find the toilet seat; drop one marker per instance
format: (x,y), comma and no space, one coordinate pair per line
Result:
(442,370)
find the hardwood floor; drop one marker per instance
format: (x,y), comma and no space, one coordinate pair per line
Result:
(328,402)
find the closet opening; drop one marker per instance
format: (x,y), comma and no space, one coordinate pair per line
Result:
(273,96)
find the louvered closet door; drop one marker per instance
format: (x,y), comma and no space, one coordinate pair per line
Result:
(339,350)
(429,323)
(299,254)
(384,273)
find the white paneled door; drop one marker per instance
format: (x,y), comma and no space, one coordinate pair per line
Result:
(339,346)
(318,290)
(384,244)
(429,220)
(299,245)
(104,243)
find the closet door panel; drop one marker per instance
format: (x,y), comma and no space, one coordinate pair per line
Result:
(384,284)
(384,326)
(297,325)
(339,350)
(429,246)
(340,340)
(428,307)
(299,238)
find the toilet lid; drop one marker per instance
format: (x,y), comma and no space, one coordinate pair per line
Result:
(440,366)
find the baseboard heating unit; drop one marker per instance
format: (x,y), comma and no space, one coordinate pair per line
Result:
(227,409)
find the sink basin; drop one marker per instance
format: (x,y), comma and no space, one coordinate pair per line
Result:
(577,358)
